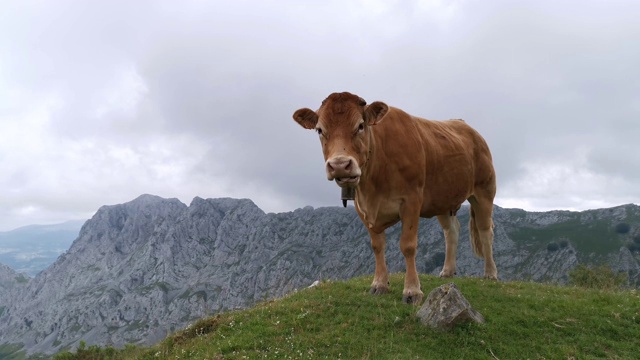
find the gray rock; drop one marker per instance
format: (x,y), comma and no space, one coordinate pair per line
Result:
(446,307)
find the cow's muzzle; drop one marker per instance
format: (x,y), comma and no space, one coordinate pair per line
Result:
(344,170)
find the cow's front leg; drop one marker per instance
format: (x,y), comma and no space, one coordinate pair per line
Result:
(408,245)
(380,284)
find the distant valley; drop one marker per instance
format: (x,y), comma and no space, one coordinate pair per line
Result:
(33,248)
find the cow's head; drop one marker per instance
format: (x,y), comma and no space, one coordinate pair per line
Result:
(343,124)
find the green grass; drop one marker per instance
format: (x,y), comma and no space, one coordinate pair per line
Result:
(12,352)
(341,320)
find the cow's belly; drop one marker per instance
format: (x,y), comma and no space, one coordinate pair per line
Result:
(447,200)
(430,211)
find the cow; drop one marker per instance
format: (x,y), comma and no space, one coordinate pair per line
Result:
(402,168)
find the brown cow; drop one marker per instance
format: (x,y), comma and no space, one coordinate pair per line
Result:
(403,168)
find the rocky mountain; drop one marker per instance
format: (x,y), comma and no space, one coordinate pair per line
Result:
(140,270)
(30,249)
(10,281)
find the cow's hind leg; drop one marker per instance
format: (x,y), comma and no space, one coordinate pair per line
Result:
(380,284)
(451,227)
(481,232)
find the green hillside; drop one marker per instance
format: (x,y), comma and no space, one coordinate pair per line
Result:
(598,236)
(341,320)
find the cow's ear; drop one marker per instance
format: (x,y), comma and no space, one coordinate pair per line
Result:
(375,112)
(307,118)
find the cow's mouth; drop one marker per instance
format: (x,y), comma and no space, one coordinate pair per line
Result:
(348,181)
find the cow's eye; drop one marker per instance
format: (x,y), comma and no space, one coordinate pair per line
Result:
(361,127)
(319,131)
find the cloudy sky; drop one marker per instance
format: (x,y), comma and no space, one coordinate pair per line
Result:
(101,101)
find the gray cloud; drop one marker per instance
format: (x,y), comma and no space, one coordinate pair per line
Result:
(102,102)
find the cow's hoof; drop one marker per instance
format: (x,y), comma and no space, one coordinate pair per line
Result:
(491,277)
(447,274)
(412,299)
(378,290)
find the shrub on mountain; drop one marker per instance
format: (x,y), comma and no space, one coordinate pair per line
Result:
(552,246)
(599,277)
(623,228)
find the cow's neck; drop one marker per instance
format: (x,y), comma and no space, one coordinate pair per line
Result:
(369,183)
(369,167)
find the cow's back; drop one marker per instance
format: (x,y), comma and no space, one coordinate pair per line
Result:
(446,159)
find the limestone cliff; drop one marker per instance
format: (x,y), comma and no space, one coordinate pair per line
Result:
(140,270)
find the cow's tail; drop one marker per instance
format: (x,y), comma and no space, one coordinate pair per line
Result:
(476,243)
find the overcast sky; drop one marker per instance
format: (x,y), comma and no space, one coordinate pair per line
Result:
(101,101)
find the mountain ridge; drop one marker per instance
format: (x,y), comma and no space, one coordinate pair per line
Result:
(142,269)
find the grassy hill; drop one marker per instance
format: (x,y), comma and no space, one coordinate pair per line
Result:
(341,320)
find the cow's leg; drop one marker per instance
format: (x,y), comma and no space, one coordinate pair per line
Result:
(380,284)
(451,227)
(482,225)
(408,245)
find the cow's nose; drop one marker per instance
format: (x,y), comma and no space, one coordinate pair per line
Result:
(339,166)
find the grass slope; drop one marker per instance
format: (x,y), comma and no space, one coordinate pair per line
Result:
(341,320)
